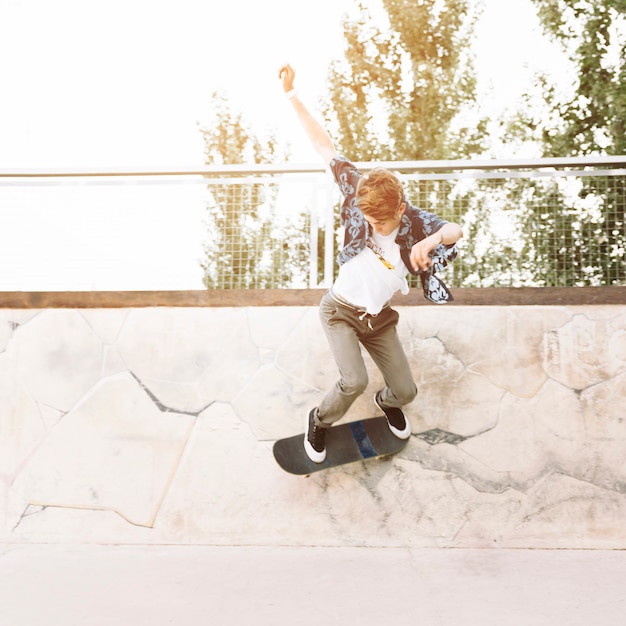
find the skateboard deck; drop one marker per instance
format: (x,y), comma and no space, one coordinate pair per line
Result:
(346,443)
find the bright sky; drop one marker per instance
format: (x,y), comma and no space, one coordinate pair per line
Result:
(124,83)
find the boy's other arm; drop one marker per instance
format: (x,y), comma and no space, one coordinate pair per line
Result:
(317,134)
(448,234)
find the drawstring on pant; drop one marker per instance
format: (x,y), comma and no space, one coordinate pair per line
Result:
(362,314)
(369,321)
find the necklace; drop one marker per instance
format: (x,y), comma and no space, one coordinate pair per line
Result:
(379,253)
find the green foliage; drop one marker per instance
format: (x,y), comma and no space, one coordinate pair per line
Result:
(248,247)
(568,233)
(590,244)
(592,120)
(399,91)
(403,91)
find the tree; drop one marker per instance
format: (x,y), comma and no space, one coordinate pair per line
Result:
(248,246)
(593,34)
(399,91)
(404,90)
(589,225)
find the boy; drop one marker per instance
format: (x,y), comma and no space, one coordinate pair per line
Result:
(385,237)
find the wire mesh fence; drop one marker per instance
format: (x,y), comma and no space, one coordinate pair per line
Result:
(526,224)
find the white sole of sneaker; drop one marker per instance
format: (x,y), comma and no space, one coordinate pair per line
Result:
(311,452)
(405,433)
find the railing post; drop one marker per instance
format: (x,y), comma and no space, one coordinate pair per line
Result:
(313,237)
(329,232)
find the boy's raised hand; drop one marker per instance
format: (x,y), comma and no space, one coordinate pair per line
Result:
(287,74)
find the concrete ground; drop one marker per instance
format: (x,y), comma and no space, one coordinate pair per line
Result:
(61,585)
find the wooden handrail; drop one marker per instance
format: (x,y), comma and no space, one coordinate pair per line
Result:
(496,296)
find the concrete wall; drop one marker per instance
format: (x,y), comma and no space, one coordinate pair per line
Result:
(156,425)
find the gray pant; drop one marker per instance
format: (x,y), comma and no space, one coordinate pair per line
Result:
(347,328)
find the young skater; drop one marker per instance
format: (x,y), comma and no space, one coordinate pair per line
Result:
(385,238)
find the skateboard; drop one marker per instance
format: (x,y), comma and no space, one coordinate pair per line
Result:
(354,441)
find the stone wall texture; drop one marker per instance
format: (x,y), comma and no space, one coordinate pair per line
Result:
(155,426)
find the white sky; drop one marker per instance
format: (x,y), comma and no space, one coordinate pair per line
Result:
(123,83)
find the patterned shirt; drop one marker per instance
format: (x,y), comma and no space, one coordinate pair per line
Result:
(415,225)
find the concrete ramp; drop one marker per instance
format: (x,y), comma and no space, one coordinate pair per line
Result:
(155,426)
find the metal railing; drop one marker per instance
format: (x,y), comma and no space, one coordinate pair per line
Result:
(543,222)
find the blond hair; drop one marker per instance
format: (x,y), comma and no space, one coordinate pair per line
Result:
(379,194)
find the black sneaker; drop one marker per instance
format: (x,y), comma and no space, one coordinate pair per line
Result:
(398,423)
(315,439)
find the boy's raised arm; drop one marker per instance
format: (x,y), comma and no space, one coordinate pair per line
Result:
(317,134)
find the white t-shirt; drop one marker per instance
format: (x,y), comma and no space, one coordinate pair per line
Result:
(370,278)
